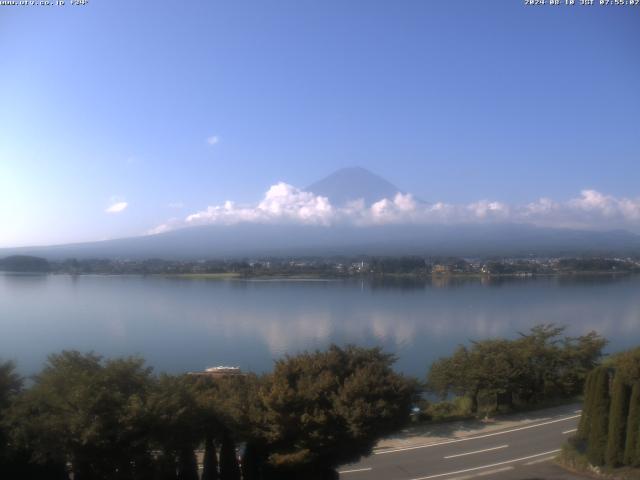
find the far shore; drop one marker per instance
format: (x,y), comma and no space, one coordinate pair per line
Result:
(337,277)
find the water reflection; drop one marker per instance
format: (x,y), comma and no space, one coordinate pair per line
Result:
(180,324)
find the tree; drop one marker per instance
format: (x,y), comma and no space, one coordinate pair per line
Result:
(24,263)
(632,443)
(323,409)
(228,411)
(454,375)
(538,365)
(229,469)
(16,461)
(617,422)
(579,355)
(251,461)
(585,417)
(86,411)
(10,384)
(627,364)
(187,464)
(490,368)
(176,425)
(599,417)
(210,461)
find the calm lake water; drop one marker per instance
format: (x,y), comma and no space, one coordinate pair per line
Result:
(185,324)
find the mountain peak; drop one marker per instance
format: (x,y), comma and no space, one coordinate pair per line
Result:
(353,183)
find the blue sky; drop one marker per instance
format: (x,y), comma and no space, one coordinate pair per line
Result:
(457,102)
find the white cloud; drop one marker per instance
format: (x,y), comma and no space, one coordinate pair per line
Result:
(213,139)
(284,203)
(171,224)
(117,207)
(165,227)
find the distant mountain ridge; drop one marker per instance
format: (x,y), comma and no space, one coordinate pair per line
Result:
(255,240)
(353,183)
(244,240)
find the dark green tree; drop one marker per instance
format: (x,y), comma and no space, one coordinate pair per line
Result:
(455,375)
(632,443)
(323,409)
(627,364)
(176,426)
(578,356)
(88,412)
(541,353)
(210,461)
(489,369)
(618,414)
(599,417)
(251,461)
(587,407)
(187,464)
(539,365)
(229,468)
(10,384)
(165,467)
(14,462)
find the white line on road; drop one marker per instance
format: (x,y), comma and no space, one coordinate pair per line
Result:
(493,472)
(487,466)
(477,451)
(356,470)
(486,435)
(483,474)
(570,431)
(541,460)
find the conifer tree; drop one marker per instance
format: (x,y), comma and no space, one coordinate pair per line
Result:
(632,445)
(251,462)
(187,465)
(210,462)
(229,469)
(617,422)
(599,418)
(585,418)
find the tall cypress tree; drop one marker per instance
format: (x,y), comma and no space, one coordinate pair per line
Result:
(617,422)
(187,465)
(165,467)
(599,418)
(585,418)
(251,462)
(229,469)
(210,462)
(632,445)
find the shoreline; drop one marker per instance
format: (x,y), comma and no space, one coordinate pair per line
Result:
(321,277)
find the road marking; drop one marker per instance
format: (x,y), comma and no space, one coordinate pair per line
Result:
(492,472)
(477,451)
(356,470)
(546,459)
(570,431)
(483,474)
(486,466)
(577,411)
(486,435)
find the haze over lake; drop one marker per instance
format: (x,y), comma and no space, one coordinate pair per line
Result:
(181,324)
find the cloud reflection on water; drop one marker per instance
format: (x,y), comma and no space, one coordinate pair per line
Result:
(186,324)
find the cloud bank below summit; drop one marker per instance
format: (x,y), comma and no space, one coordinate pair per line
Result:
(286,204)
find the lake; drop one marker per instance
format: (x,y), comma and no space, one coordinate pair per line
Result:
(181,324)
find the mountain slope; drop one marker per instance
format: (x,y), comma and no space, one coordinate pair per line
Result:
(353,183)
(253,240)
(287,239)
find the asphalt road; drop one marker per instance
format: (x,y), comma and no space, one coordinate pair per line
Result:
(513,453)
